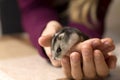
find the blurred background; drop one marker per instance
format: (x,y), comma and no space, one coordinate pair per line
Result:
(9,17)
(113,21)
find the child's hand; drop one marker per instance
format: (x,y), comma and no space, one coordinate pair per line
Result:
(86,61)
(46,37)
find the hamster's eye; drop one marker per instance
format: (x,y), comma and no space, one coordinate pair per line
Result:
(59,50)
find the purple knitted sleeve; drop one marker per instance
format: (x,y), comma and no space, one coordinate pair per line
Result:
(34,19)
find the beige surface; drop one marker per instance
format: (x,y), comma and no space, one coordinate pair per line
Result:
(13,46)
(20,61)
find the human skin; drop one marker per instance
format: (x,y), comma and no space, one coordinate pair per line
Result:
(86,60)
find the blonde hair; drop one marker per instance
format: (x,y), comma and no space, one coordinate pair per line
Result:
(79,11)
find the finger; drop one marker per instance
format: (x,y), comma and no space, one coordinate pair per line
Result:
(108,45)
(94,43)
(105,45)
(51,28)
(76,67)
(100,64)
(55,63)
(65,62)
(88,63)
(45,41)
(111,61)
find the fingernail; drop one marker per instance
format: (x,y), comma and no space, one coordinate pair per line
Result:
(75,56)
(107,44)
(65,60)
(113,66)
(96,44)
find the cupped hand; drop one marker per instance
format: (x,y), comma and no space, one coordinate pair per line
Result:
(45,40)
(87,59)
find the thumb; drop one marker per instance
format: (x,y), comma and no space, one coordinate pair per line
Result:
(46,37)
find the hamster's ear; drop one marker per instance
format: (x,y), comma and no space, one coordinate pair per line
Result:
(61,36)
